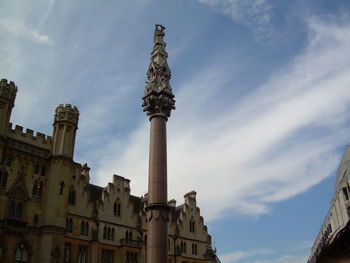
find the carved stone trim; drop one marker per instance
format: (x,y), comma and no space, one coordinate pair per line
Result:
(158,99)
(157,212)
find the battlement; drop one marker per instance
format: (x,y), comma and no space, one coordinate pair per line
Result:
(67,112)
(39,139)
(8,90)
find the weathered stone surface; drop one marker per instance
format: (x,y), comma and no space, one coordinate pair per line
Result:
(158,99)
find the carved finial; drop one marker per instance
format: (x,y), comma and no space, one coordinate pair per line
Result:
(158,99)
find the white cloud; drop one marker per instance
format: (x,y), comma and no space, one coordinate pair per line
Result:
(258,151)
(19,29)
(255,14)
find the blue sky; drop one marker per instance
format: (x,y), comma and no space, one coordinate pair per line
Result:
(262,91)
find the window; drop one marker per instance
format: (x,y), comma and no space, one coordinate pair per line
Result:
(194,249)
(183,247)
(84,228)
(107,256)
(132,257)
(12,208)
(35,219)
(116,209)
(71,196)
(55,255)
(21,254)
(37,189)
(105,232)
(36,169)
(67,252)
(112,234)
(3,179)
(82,254)
(192,226)
(69,225)
(7,160)
(108,233)
(19,209)
(61,188)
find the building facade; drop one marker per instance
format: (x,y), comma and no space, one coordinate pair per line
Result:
(338,214)
(50,212)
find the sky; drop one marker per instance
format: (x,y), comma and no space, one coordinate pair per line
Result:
(262,96)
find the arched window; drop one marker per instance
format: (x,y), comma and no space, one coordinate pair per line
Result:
(3,179)
(86,229)
(112,235)
(82,228)
(192,225)
(71,196)
(12,208)
(105,232)
(182,247)
(185,247)
(67,252)
(36,169)
(69,225)
(37,188)
(82,254)
(61,188)
(108,233)
(127,235)
(116,208)
(21,254)
(18,212)
(130,235)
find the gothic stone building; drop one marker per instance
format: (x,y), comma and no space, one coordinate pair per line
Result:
(334,233)
(49,212)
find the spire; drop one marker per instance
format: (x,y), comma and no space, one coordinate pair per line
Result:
(158,99)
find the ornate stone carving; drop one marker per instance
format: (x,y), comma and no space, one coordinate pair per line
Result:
(157,212)
(158,99)
(66,113)
(8,90)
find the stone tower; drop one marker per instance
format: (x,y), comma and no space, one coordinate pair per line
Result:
(158,102)
(8,92)
(62,171)
(64,130)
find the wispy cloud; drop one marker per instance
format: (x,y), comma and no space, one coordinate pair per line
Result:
(266,148)
(21,30)
(255,14)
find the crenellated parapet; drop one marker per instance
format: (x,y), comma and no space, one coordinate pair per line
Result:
(38,139)
(8,90)
(158,99)
(66,113)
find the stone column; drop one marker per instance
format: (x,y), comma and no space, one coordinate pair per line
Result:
(158,103)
